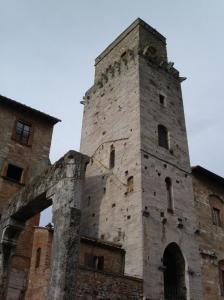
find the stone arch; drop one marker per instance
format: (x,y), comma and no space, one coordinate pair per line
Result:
(174,273)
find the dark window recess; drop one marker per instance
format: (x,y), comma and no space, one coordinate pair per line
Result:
(94,261)
(163,137)
(221,276)
(112,157)
(161,99)
(130,184)
(14,172)
(38,256)
(169,194)
(23,132)
(216,216)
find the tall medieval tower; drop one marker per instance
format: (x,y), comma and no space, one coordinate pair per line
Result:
(138,184)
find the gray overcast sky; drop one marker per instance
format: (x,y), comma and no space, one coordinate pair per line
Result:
(48,48)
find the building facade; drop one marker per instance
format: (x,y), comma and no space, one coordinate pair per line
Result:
(25,141)
(138,185)
(152,227)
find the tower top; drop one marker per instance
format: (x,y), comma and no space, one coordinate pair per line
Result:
(137,22)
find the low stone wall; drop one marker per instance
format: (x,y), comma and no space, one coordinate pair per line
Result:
(93,285)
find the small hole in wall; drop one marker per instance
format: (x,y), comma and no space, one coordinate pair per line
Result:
(104,190)
(126,173)
(177,181)
(113,205)
(146,207)
(130,129)
(162,214)
(103,177)
(165,166)
(93,215)
(104,132)
(89,201)
(146,167)
(146,156)
(159,174)
(128,217)
(154,193)
(185,175)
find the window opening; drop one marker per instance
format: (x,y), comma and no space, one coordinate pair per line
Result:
(162,99)
(112,157)
(130,184)
(163,137)
(38,255)
(169,193)
(221,276)
(216,216)
(23,132)
(94,261)
(14,172)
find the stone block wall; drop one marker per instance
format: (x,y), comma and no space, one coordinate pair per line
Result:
(210,236)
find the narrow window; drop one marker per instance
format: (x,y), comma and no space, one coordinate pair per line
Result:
(98,262)
(162,99)
(112,157)
(169,194)
(163,136)
(94,261)
(38,255)
(130,184)
(221,276)
(14,173)
(23,132)
(216,216)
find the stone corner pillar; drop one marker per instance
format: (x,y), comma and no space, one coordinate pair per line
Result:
(67,197)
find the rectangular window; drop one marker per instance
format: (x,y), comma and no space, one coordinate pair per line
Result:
(216,216)
(14,172)
(23,132)
(94,261)
(130,184)
(162,99)
(163,136)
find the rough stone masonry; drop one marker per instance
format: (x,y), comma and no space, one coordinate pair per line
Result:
(60,185)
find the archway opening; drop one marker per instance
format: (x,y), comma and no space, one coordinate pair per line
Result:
(174,273)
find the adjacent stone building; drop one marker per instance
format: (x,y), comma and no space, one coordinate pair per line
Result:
(25,140)
(151,226)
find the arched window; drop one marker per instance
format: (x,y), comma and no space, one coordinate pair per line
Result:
(221,276)
(112,156)
(38,255)
(130,184)
(169,194)
(163,136)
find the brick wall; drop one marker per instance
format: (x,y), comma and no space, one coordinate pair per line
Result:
(32,157)
(109,283)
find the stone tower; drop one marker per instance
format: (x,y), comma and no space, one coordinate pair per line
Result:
(138,185)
